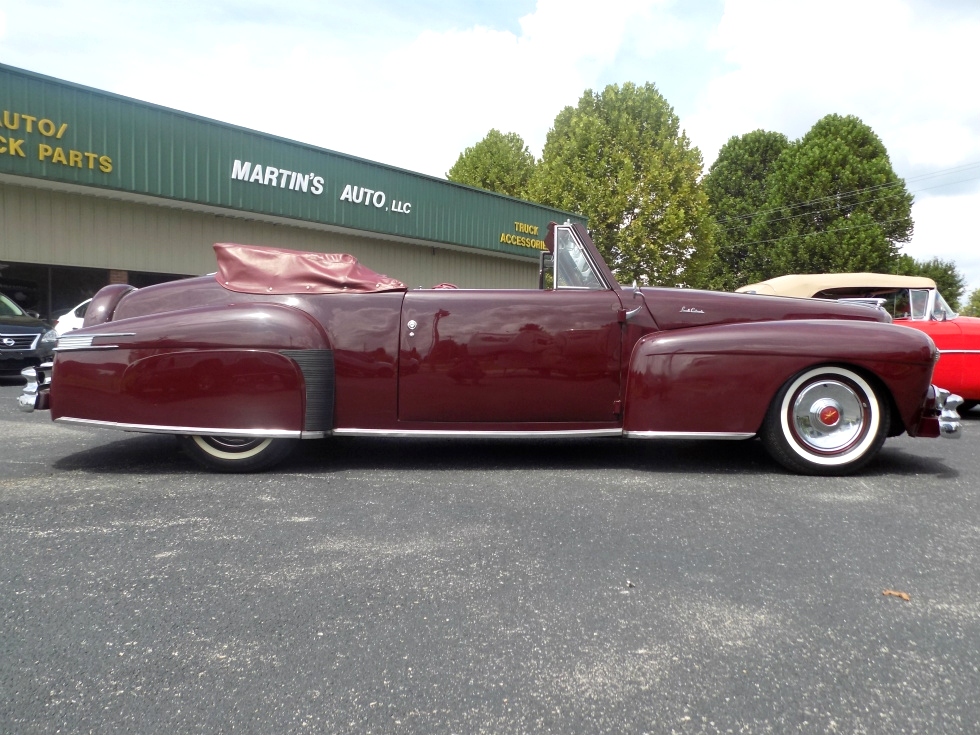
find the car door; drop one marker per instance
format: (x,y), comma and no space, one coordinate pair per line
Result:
(509,356)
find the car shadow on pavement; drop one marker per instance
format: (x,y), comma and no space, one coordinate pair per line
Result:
(161,454)
(157,454)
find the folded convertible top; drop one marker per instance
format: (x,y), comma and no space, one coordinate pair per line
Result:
(255,269)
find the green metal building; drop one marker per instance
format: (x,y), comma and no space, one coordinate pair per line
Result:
(98,188)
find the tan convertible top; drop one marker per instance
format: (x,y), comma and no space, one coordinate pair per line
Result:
(808,284)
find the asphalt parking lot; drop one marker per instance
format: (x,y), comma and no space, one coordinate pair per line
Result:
(373,586)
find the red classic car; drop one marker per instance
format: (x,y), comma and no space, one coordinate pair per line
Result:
(912,301)
(279,346)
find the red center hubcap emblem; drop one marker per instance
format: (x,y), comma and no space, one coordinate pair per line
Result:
(829,415)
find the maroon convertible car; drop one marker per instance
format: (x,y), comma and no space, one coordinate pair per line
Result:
(279,346)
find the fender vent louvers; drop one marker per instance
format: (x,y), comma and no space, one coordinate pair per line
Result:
(318,373)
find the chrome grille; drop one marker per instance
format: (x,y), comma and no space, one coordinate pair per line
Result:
(18,341)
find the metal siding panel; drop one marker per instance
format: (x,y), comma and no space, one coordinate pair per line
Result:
(59,228)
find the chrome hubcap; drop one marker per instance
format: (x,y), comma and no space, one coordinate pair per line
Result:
(233,444)
(829,416)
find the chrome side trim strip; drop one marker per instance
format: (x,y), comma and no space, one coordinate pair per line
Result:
(84,341)
(733,435)
(959,352)
(87,347)
(193,430)
(448,433)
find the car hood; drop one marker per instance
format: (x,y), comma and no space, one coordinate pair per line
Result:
(677,308)
(969,325)
(22,325)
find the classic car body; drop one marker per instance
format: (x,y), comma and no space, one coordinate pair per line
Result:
(278,346)
(912,301)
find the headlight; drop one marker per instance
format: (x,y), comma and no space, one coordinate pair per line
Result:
(49,338)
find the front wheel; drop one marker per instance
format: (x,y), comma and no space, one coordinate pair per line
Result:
(236,453)
(825,421)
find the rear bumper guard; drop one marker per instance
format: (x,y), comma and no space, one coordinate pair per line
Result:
(949,419)
(35,394)
(939,416)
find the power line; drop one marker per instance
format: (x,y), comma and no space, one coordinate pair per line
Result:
(831,230)
(836,198)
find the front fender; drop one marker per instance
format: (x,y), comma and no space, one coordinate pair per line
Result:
(721,379)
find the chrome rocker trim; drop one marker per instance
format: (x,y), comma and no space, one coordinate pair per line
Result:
(448,434)
(558,434)
(725,435)
(194,430)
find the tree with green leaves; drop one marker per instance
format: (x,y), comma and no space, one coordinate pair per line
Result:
(500,162)
(949,281)
(621,159)
(834,205)
(972,307)
(737,189)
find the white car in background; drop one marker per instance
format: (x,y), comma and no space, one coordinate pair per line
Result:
(72,319)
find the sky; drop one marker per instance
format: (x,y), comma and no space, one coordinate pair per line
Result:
(413,84)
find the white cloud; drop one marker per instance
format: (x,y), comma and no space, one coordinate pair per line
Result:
(414,102)
(413,91)
(942,228)
(905,70)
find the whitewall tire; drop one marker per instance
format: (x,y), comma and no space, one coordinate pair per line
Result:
(826,421)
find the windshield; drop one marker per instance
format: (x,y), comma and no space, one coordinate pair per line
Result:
(905,303)
(9,308)
(942,310)
(572,266)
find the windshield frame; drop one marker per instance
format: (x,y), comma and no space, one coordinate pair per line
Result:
(573,261)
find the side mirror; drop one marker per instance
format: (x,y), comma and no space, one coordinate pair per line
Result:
(546,270)
(637,294)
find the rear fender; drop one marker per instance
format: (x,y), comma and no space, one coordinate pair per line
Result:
(263,368)
(721,379)
(104,303)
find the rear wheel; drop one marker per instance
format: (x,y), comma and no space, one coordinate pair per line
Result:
(236,453)
(967,406)
(825,421)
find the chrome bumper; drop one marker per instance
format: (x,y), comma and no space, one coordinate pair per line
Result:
(949,419)
(35,394)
